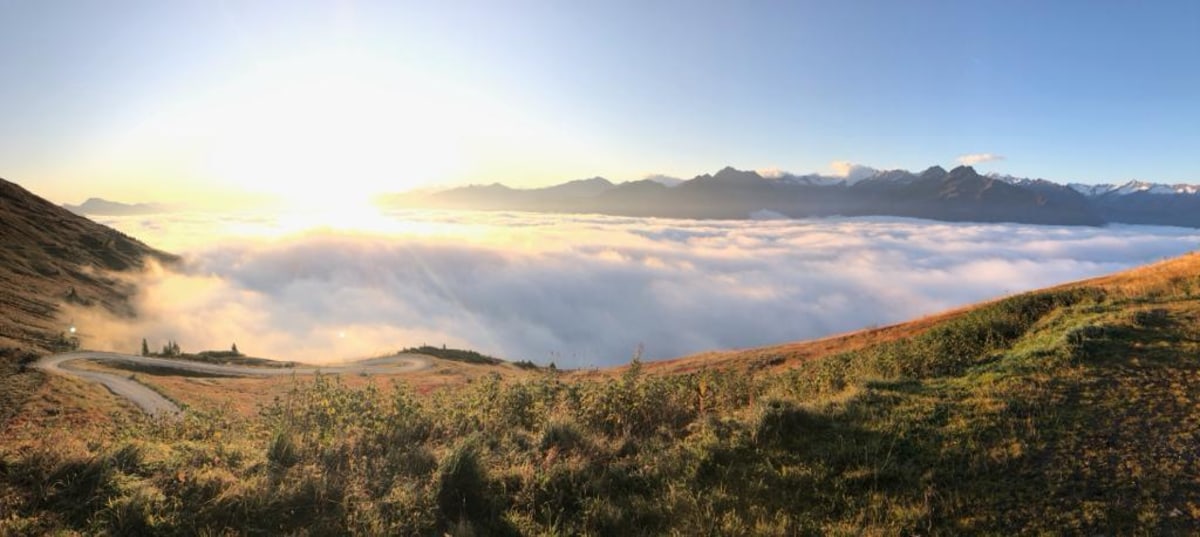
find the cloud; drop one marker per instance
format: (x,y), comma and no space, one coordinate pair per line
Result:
(978,158)
(851,171)
(771,173)
(586,290)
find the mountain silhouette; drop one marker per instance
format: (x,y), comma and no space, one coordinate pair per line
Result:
(103,207)
(961,194)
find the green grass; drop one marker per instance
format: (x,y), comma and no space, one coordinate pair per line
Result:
(1061,411)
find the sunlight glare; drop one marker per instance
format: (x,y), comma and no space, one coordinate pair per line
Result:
(336,211)
(347,119)
(331,121)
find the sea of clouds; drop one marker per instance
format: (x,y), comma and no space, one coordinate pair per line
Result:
(583,290)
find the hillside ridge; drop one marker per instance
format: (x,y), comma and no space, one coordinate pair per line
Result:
(50,257)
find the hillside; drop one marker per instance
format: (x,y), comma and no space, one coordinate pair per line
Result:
(50,256)
(1065,410)
(1157,278)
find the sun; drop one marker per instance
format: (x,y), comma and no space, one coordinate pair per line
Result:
(332,128)
(336,126)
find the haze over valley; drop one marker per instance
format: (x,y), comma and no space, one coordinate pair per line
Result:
(584,290)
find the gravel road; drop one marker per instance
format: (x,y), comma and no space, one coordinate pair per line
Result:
(152,402)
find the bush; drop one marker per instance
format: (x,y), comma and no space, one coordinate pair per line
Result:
(282,450)
(561,436)
(786,423)
(463,497)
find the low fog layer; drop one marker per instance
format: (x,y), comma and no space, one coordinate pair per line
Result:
(585,290)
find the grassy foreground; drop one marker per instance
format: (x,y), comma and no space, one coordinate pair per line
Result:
(1069,410)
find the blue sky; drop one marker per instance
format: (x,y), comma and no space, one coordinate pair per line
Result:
(169,100)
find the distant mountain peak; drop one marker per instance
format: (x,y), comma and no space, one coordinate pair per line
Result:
(960,171)
(581,187)
(103,207)
(933,172)
(731,174)
(664,180)
(811,180)
(597,180)
(589,183)
(895,176)
(645,182)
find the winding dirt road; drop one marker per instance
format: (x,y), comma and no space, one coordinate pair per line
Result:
(152,402)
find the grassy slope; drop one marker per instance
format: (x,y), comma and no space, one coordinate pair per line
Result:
(1068,410)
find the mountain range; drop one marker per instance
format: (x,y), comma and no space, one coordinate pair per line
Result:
(960,194)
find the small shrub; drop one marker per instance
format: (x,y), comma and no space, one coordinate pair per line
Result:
(785,423)
(457,355)
(282,450)
(563,436)
(1151,318)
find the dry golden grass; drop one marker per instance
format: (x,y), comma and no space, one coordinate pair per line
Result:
(63,404)
(245,395)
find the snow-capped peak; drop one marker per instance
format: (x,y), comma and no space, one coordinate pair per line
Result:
(1133,187)
(1091,190)
(1012,180)
(815,179)
(1136,186)
(895,176)
(811,179)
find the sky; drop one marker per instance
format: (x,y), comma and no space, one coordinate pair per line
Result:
(324,101)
